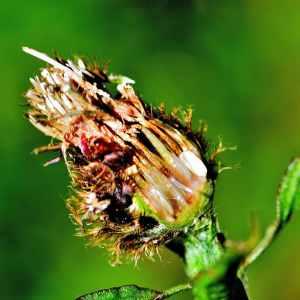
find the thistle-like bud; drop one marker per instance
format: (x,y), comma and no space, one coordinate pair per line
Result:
(140,176)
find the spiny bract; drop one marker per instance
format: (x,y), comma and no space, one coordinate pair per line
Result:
(140,176)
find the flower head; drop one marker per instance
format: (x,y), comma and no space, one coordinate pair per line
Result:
(140,176)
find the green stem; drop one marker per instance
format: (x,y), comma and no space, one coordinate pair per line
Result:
(212,269)
(202,247)
(175,290)
(264,244)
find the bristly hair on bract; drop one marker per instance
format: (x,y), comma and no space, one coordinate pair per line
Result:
(140,177)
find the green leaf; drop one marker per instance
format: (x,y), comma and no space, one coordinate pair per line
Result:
(289,192)
(126,292)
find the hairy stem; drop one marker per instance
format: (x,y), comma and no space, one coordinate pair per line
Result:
(212,268)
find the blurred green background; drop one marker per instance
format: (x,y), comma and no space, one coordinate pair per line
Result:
(236,62)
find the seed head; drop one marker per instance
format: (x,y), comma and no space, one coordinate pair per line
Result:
(140,176)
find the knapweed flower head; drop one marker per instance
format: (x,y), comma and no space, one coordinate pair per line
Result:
(140,177)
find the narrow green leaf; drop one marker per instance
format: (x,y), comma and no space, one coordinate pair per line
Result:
(289,192)
(126,292)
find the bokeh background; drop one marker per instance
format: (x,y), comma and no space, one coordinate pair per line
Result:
(236,62)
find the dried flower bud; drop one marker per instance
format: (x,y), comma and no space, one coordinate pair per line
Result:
(140,176)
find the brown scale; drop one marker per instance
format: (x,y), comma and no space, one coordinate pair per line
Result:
(175,122)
